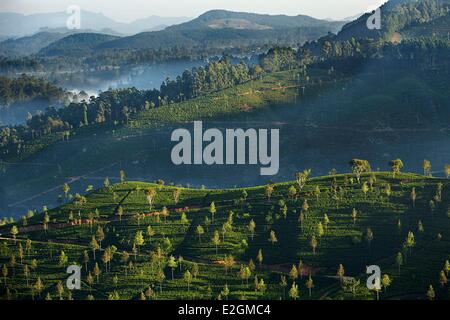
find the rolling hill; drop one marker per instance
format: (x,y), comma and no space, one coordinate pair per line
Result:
(222,29)
(76,44)
(179,248)
(30,45)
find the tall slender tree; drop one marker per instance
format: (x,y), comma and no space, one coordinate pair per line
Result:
(310,285)
(260,257)
(187,277)
(172,264)
(293,292)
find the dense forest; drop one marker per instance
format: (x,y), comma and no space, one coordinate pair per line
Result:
(113,59)
(22,97)
(12,64)
(398,17)
(26,88)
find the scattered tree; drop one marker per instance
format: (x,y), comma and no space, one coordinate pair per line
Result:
(386,282)
(399,261)
(251,228)
(176,195)
(410,241)
(212,210)
(60,289)
(396,166)
(97,271)
(283,285)
(302,178)
(172,264)
(94,245)
(431,295)
(139,239)
(269,191)
(293,292)
(310,285)
(447,170)
(413,197)
(354,215)
(63,259)
(273,237)
(150,194)
(100,235)
(14,232)
(341,273)
(293,273)
(426,166)
(442,279)
(313,243)
(216,240)
(120,212)
(259,257)
(187,277)
(200,232)
(4,273)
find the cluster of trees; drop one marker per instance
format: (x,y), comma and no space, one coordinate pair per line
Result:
(27,88)
(112,59)
(414,12)
(23,64)
(285,59)
(215,76)
(428,49)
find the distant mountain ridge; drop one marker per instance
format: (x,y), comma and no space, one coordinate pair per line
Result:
(226,28)
(19,25)
(77,43)
(33,44)
(274,21)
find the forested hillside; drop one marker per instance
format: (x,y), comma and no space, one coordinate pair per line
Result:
(22,96)
(77,44)
(396,15)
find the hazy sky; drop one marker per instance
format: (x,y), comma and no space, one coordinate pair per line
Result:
(128,10)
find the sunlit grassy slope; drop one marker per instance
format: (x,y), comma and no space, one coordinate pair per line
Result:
(279,88)
(389,217)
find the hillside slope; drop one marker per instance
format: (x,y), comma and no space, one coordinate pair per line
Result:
(396,15)
(145,252)
(76,44)
(31,44)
